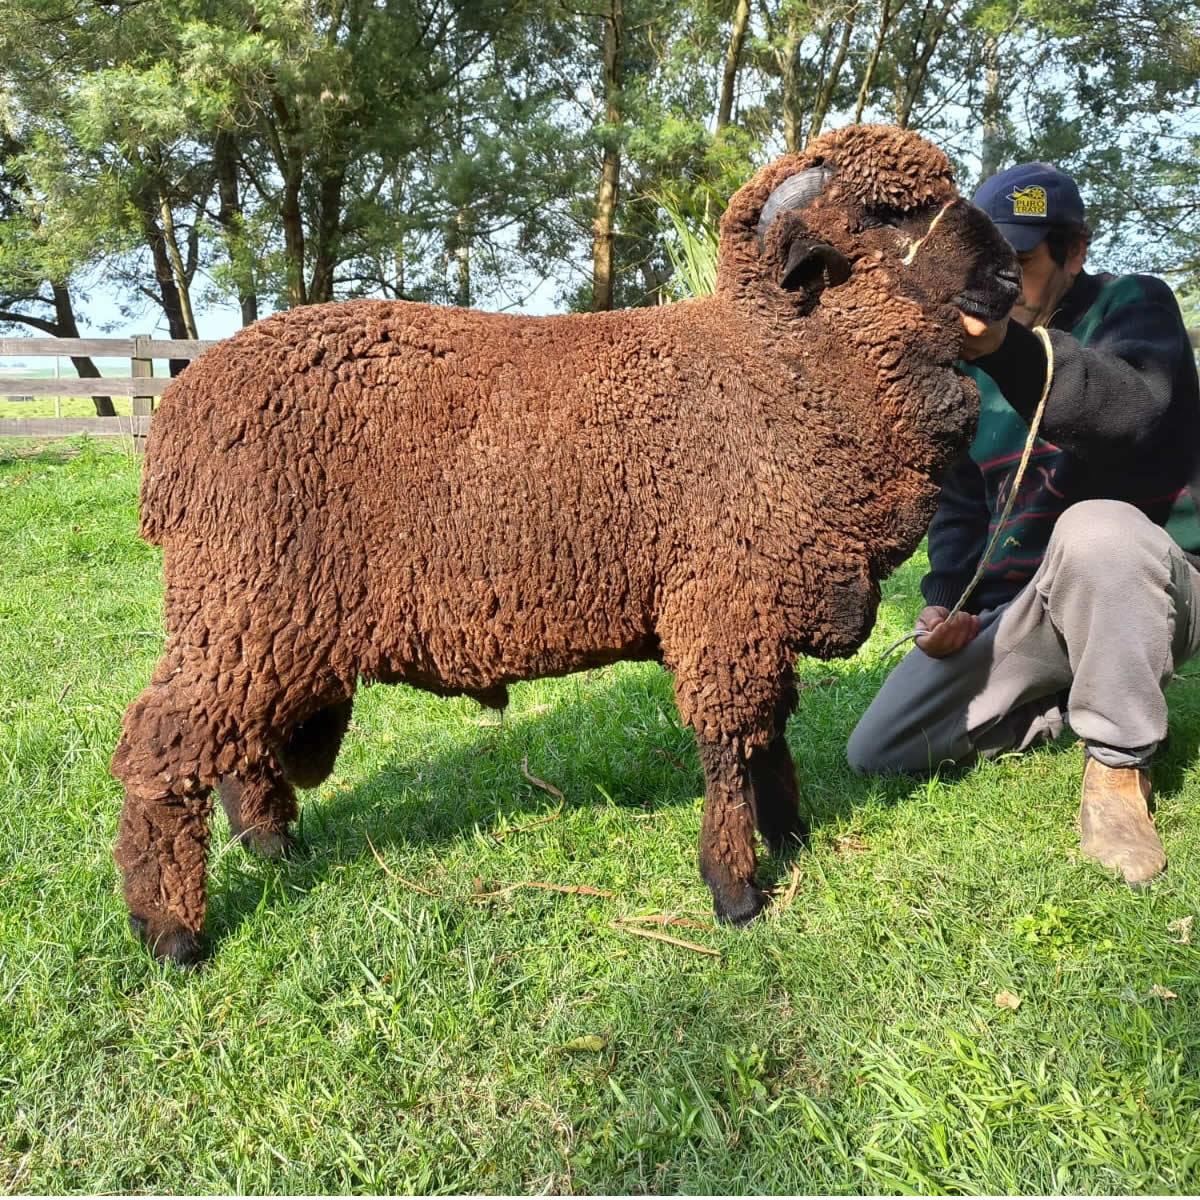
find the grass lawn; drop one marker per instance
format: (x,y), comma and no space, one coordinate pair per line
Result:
(367,1024)
(68,406)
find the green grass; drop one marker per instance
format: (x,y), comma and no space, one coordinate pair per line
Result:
(353,1034)
(68,406)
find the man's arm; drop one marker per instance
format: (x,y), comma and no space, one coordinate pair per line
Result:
(957,536)
(1107,399)
(957,533)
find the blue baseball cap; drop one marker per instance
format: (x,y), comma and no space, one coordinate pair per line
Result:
(1027,200)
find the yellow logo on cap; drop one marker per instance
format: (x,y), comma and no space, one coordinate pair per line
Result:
(1029,202)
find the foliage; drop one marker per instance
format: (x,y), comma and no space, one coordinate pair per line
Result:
(278,152)
(693,251)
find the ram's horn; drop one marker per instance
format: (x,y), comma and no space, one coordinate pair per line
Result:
(795,192)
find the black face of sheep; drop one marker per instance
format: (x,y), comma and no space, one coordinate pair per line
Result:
(376,491)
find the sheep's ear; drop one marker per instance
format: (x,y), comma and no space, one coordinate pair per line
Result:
(813,266)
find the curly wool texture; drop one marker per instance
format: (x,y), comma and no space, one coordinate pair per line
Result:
(391,491)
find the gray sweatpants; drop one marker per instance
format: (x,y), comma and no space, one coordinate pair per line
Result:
(1097,632)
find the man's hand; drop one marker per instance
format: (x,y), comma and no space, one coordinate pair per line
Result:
(945,637)
(983,337)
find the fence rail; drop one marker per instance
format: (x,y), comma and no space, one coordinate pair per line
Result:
(140,384)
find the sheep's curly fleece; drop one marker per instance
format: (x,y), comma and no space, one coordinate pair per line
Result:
(376,490)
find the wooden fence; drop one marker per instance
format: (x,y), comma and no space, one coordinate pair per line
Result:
(141,384)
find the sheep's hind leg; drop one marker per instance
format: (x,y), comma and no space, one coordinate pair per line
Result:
(260,802)
(308,755)
(168,765)
(727,860)
(773,779)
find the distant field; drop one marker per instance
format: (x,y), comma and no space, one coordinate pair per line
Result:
(44,406)
(69,406)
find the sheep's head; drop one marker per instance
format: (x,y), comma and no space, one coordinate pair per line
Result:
(874,195)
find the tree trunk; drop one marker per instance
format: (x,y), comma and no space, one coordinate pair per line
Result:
(171,245)
(320,290)
(887,16)
(610,172)
(737,37)
(68,327)
(992,105)
(229,217)
(168,293)
(920,60)
(793,116)
(825,95)
(293,235)
(291,168)
(461,249)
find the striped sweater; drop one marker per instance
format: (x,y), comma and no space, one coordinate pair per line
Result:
(1122,422)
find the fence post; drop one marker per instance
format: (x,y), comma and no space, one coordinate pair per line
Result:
(141,366)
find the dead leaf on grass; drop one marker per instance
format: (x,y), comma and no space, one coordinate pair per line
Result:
(568,889)
(541,783)
(664,919)
(589,1043)
(663,937)
(1006,999)
(850,843)
(1183,927)
(1161,992)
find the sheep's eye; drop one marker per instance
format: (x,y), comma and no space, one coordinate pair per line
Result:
(879,221)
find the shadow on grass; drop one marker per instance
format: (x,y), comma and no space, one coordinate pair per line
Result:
(614,739)
(603,738)
(34,453)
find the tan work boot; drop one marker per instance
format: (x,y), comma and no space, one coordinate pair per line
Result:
(1115,822)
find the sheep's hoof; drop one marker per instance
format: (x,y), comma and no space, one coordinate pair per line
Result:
(168,943)
(738,906)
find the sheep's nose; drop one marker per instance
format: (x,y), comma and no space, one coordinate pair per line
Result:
(1010,276)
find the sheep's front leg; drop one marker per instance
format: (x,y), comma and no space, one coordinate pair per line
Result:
(727,859)
(773,778)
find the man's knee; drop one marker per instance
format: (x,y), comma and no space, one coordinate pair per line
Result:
(1103,530)
(860,754)
(870,752)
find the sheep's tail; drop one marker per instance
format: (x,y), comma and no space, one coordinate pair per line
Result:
(151,530)
(162,501)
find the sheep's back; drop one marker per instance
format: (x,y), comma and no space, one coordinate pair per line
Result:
(435,469)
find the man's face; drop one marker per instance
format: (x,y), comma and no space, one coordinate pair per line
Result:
(1044,282)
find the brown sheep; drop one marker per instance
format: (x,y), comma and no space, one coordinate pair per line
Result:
(385,491)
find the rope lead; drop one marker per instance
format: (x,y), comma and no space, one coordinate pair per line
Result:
(1040,330)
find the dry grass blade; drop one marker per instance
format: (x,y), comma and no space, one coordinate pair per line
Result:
(546,787)
(499,837)
(663,937)
(541,783)
(664,919)
(573,889)
(793,886)
(675,762)
(416,887)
